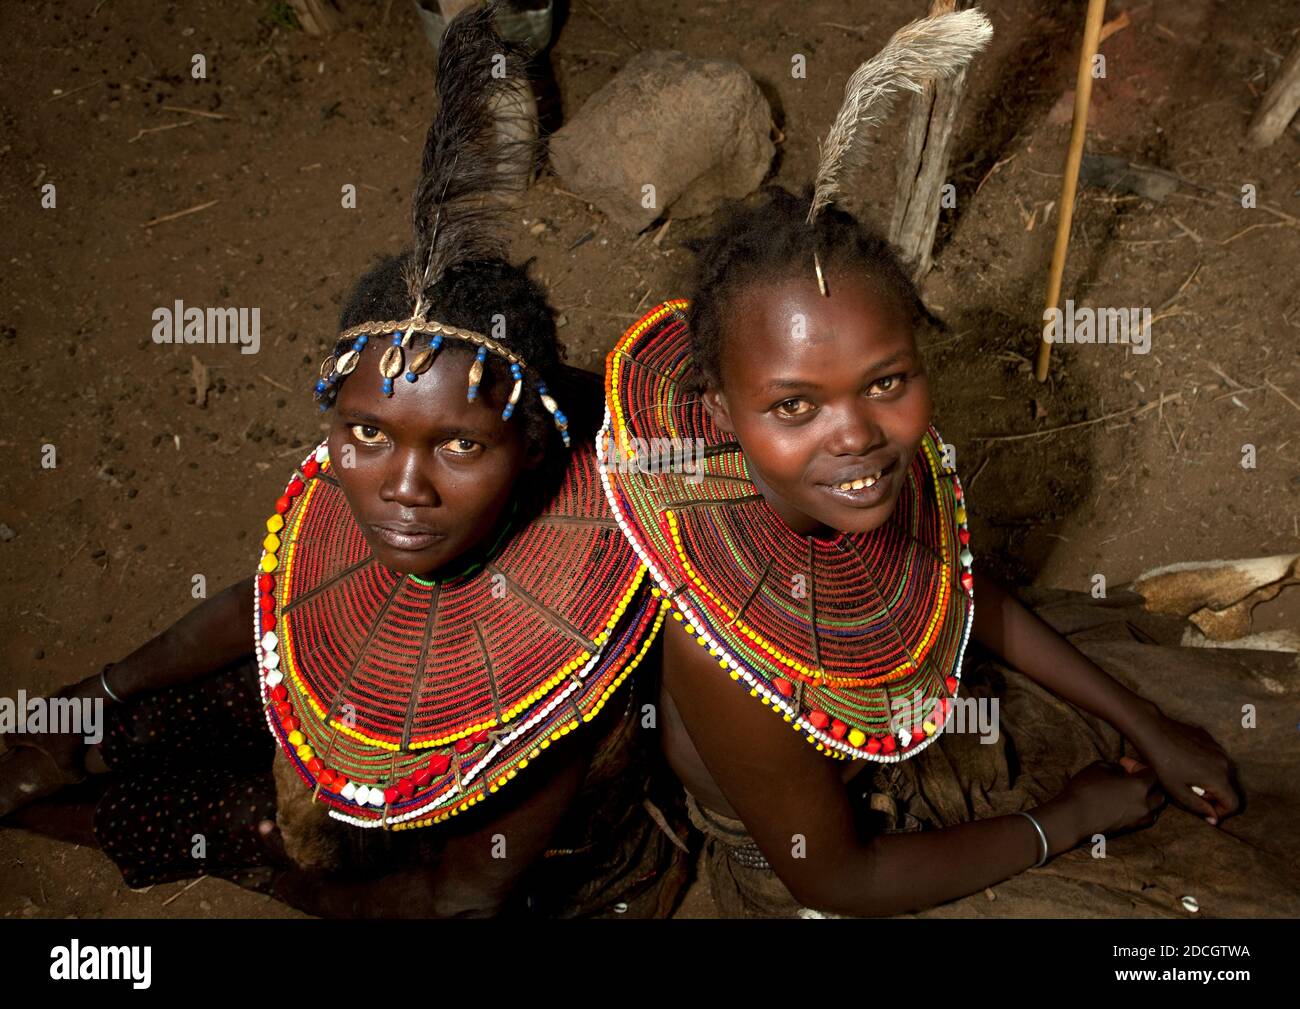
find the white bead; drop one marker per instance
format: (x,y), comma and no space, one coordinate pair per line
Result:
(904,736)
(269,641)
(349,791)
(273,678)
(377,796)
(271,660)
(322,453)
(363,795)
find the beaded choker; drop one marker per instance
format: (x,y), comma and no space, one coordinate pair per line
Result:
(403,701)
(856,642)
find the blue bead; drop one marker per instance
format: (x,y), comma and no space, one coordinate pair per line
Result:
(505,414)
(472,394)
(362,340)
(410,376)
(321,386)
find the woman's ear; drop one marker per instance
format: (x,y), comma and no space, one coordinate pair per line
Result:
(716,403)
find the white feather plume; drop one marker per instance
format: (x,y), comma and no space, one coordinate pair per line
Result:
(927,49)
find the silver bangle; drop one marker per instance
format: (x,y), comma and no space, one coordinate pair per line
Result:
(1041,836)
(103,682)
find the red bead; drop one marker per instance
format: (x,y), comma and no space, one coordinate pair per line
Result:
(439,763)
(838,729)
(325,778)
(284,709)
(956,490)
(951,684)
(310,468)
(463,745)
(282,504)
(819,719)
(479,737)
(887,744)
(873,745)
(295,487)
(315,765)
(280,692)
(406,787)
(390,795)
(266,604)
(783,687)
(265,583)
(340,782)
(964,536)
(422,777)
(967,581)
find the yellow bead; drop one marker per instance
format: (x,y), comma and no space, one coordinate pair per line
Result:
(305,752)
(269,563)
(857,737)
(961,513)
(275,523)
(929,727)
(296,738)
(271,544)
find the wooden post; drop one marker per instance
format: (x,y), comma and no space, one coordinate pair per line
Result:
(923,169)
(1279,105)
(1070,184)
(317,17)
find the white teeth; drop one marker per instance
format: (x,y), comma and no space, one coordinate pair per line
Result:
(860,484)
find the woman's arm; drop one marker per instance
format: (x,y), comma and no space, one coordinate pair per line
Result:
(1030,644)
(787,793)
(1183,756)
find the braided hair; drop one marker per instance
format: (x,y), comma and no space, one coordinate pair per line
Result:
(770,239)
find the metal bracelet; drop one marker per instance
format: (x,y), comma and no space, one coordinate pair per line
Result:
(103,682)
(1041,836)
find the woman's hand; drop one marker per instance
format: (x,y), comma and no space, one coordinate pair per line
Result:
(1108,798)
(1186,758)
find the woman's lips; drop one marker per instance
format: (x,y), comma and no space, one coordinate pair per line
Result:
(864,490)
(414,538)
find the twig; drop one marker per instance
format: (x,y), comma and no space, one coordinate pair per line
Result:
(618,31)
(658,239)
(1179,293)
(978,470)
(1275,224)
(1223,375)
(1137,411)
(83,87)
(1281,393)
(996,166)
(180,213)
(158,129)
(194,112)
(271,381)
(1187,231)
(188,888)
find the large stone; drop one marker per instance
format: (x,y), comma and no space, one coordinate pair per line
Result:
(698,131)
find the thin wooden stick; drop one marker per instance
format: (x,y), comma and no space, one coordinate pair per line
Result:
(1168,397)
(180,213)
(1070,184)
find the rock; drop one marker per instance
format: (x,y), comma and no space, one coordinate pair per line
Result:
(696,130)
(6,534)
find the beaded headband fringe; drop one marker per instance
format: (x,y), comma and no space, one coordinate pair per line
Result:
(399,358)
(456,211)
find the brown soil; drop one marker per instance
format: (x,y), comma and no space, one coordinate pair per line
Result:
(152,488)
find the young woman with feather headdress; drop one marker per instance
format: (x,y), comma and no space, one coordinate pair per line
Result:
(823,595)
(443,616)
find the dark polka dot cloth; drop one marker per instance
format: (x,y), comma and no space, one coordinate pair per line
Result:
(190,781)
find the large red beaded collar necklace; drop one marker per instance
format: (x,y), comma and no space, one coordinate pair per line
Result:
(402,702)
(856,642)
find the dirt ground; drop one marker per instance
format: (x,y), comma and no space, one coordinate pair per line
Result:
(152,487)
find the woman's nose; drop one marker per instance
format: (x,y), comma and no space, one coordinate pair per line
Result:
(856,431)
(407,483)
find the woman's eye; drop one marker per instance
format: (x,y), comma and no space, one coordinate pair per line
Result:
(367,434)
(462,446)
(793,407)
(887,384)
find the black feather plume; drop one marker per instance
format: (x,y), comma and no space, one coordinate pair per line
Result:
(480,146)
